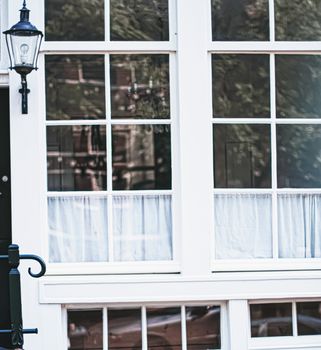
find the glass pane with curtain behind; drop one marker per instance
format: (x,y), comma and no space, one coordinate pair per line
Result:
(299,225)
(309,317)
(203,327)
(140,86)
(141,157)
(124,329)
(139,20)
(241,86)
(85,330)
(75,87)
(240,20)
(77,229)
(76,158)
(74,20)
(164,328)
(298,86)
(297,20)
(299,156)
(242,156)
(142,228)
(271,320)
(243,226)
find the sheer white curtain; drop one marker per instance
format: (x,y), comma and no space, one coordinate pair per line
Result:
(299,225)
(142,227)
(243,226)
(77,229)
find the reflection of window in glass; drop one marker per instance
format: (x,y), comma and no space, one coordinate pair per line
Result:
(164,328)
(140,86)
(203,327)
(298,20)
(85,329)
(76,157)
(241,87)
(299,156)
(242,156)
(75,87)
(271,320)
(141,157)
(74,20)
(298,86)
(141,20)
(124,329)
(240,20)
(309,318)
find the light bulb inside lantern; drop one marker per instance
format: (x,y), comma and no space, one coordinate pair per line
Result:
(24,48)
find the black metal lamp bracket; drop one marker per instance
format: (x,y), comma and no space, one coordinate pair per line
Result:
(24,92)
(14,258)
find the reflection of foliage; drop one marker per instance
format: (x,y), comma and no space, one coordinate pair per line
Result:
(75,20)
(299,156)
(241,86)
(298,19)
(240,19)
(150,75)
(298,79)
(139,20)
(242,156)
(75,87)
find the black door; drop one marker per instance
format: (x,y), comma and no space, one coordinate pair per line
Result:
(5,213)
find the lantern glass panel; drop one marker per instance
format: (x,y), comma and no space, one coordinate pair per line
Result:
(24,49)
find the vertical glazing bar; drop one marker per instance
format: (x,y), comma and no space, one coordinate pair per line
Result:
(294,319)
(272,20)
(105,329)
(15,297)
(184,330)
(144,328)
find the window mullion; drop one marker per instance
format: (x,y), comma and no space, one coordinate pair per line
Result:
(272,20)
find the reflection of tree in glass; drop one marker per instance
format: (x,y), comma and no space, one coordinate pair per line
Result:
(75,87)
(242,156)
(75,20)
(299,156)
(298,19)
(139,20)
(240,20)
(241,86)
(298,83)
(140,86)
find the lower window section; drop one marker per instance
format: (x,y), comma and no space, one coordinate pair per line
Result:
(160,328)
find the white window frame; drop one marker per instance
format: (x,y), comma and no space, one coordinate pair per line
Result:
(272,48)
(287,342)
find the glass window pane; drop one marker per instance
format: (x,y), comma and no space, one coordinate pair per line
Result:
(141,157)
(77,229)
(124,329)
(298,86)
(85,330)
(243,226)
(76,157)
(75,87)
(140,86)
(74,20)
(142,228)
(271,320)
(241,86)
(309,318)
(141,20)
(298,20)
(298,155)
(241,20)
(203,327)
(242,156)
(299,225)
(164,328)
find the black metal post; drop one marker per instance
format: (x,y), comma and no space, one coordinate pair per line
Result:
(24,92)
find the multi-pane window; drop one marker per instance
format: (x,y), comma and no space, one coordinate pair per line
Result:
(198,327)
(291,319)
(266,131)
(109,120)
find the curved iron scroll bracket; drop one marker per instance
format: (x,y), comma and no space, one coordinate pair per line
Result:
(39,260)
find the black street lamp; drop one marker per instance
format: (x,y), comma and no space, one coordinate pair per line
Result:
(23,41)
